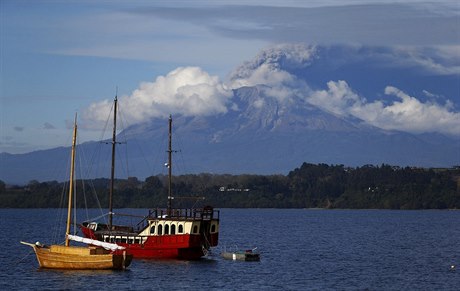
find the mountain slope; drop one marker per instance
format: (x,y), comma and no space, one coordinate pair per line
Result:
(291,104)
(261,134)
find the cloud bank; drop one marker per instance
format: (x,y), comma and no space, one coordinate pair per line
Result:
(239,28)
(188,91)
(326,22)
(407,113)
(276,67)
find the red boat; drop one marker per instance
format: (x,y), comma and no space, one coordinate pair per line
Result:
(171,233)
(166,234)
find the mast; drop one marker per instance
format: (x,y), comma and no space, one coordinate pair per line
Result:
(71,181)
(170,165)
(112,172)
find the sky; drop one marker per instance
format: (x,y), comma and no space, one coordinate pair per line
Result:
(59,58)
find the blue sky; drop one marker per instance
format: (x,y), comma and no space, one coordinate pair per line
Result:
(61,57)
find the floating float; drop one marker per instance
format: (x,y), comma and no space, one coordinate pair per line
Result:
(242,255)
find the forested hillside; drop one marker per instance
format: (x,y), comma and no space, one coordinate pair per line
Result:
(309,186)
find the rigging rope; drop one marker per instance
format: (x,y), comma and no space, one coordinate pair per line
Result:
(62,207)
(97,217)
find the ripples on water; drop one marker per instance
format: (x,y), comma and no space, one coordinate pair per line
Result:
(300,249)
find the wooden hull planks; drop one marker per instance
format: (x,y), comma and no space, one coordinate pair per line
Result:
(80,258)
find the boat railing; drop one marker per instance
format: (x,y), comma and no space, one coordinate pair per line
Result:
(206,213)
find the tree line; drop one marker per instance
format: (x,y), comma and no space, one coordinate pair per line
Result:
(309,186)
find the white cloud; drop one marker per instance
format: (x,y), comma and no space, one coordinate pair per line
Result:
(440,60)
(338,99)
(259,103)
(410,114)
(269,68)
(190,91)
(273,66)
(186,90)
(278,83)
(406,114)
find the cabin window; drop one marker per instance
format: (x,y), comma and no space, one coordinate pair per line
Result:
(195,229)
(173,229)
(152,229)
(213,228)
(137,240)
(166,228)
(181,228)
(160,230)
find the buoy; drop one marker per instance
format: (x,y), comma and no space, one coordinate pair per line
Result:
(452,267)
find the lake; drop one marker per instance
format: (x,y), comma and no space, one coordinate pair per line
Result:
(300,249)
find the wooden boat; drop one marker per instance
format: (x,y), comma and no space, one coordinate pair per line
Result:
(242,255)
(79,258)
(170,233)
(96,257)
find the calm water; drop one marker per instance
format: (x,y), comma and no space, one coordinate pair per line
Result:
(301,249)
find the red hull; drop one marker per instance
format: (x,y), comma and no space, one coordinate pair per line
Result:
(184,246)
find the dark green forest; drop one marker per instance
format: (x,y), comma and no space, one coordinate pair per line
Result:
(309,186)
